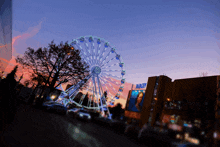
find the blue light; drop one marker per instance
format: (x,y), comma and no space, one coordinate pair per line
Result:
(90,39)
(121,64)
(99,41)
(117,56)
(123,72)
(113,50)
(116,97)
(74,42)
(82,39)
(106,44)
(122,81)
(185,125)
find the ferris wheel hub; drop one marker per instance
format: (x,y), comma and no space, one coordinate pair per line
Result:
(96,70)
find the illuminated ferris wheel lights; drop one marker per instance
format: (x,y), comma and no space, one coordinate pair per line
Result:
(82,39)
(122,81)
(106,44)
(112,50)
(123,72)
(121,89)
(91,39)
(112,104)
(99,41)
(74,42)
(117,56)
(121,64)
(116,97)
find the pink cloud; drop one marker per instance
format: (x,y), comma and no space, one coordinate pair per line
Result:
(32,31)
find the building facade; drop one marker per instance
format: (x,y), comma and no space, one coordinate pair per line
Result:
(184,102)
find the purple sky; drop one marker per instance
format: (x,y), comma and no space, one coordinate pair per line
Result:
(179,39)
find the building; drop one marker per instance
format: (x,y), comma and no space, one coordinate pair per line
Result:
(184,102)
(5,33)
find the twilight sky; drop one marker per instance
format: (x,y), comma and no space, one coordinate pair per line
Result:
(178,38)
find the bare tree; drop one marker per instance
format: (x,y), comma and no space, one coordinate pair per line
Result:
(1,70)
(55,64)
(203,74)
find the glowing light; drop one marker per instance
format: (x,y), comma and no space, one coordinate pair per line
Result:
(168,99)
(53,97)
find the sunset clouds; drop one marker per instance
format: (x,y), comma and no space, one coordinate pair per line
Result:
(18,43)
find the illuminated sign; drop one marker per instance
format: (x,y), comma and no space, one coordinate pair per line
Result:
(143,85)
(135,101)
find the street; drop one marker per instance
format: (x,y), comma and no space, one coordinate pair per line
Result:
(34,127)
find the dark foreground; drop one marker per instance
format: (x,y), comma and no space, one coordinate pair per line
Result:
(33,127)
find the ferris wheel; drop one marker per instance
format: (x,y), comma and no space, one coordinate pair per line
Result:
(107,74)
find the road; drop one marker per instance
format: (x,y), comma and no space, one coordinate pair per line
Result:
(34,127)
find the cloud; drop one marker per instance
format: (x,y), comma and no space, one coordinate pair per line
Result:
(19,42)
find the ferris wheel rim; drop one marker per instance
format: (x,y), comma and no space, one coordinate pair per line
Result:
(99,40)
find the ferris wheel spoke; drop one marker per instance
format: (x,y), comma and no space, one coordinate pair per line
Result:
(112,88)
(107,62)
(96,55)
(87,48)
(101,56)
(81,99)
(113,82)
(111,75)
(116,70)
(110,66)
(106,57)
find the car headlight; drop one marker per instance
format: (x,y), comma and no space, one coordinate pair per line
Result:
(89,117)
(80,115)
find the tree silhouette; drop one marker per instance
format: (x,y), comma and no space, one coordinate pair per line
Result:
(1,70)
(56,63)
(203,74)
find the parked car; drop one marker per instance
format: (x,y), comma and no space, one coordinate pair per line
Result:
(48,103)
(83,115)
(57,108)
(73,112)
